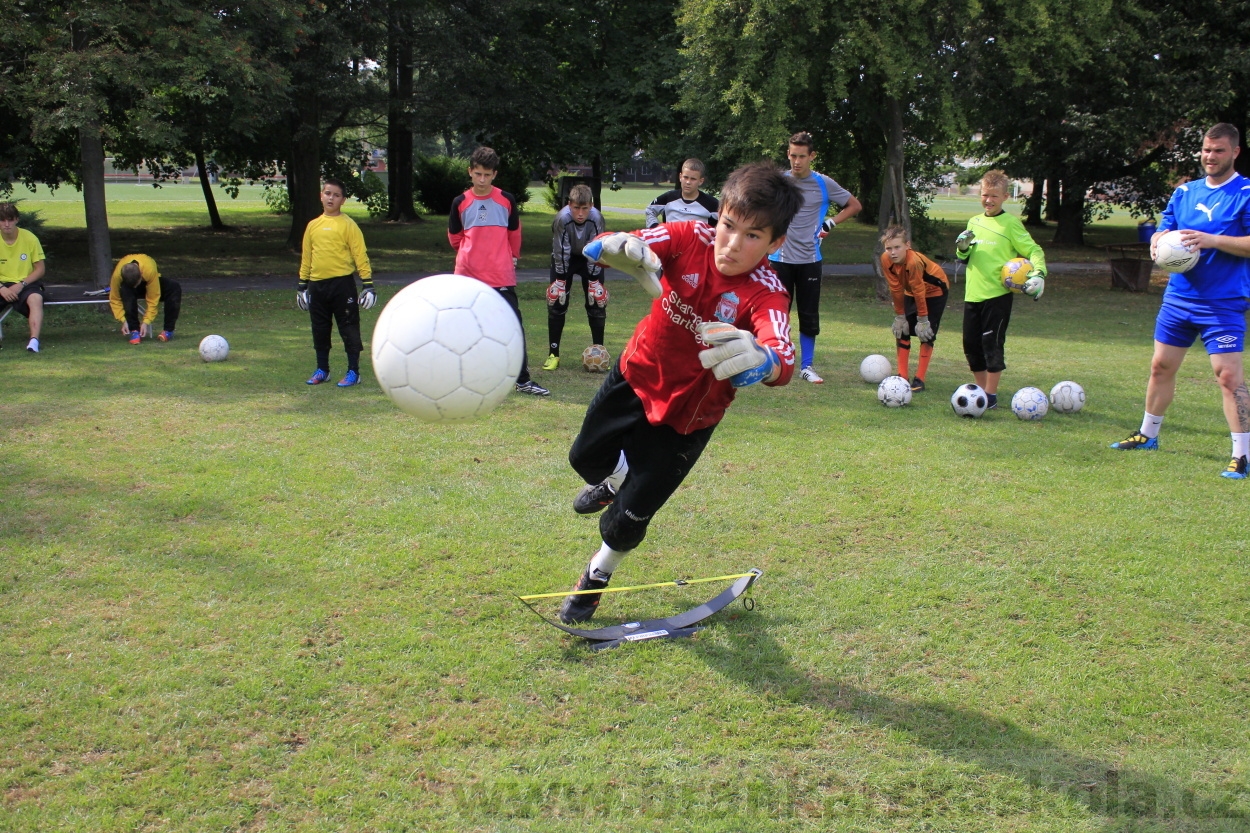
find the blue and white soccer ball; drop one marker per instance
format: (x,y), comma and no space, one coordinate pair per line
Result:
(214,349)
(874,368)
(894,392)
(447,348)
(1067,397)
(969,401)
(1029,404)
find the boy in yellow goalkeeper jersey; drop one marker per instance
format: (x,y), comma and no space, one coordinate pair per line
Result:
(334,249)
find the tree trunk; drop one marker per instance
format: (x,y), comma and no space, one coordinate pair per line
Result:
(1070,230)
(1052,199)
(91,152)
(399,173)
(1033,205)
(596,172)
(303,176)
(893,208)
(201,166)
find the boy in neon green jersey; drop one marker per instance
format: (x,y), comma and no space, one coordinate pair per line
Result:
(992,239)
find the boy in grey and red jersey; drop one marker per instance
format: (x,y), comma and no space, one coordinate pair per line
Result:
(484,228)
(720,320)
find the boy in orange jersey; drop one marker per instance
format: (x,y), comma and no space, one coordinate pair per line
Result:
(333,250)
(918,288)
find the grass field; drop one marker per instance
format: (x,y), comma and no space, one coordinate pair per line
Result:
(171,225)
(233,602)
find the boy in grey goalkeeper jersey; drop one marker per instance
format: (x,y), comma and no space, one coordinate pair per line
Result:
(797,262)
(577,224)
(685,203)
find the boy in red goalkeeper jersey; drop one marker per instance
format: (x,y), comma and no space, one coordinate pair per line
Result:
(720,320)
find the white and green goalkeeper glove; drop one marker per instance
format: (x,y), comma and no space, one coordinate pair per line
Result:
(965,241)
(736,355)
(631,255)
(1035,284)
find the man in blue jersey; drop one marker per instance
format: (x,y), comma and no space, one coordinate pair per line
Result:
(797,262)
(1210,300)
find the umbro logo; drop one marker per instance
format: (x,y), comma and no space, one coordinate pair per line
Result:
(692,279)
(1226,341)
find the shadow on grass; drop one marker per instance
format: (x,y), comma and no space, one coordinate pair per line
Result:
(1125,798)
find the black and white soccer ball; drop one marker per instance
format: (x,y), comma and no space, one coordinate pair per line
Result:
(894,392)
(969,401)
(1067,397)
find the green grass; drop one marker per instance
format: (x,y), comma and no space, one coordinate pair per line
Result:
(232,602)
(171,225)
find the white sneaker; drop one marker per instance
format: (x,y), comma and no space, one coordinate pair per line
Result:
(33,345)
(809,374)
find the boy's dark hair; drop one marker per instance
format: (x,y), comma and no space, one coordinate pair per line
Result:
(581,194)
(695,165)
(337,183)
(484,157)
(8,211)
(895,230)
(803,138)
(1224,130)
(760,195)
(132,275)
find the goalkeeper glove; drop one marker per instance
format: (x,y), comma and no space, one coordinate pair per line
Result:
(367,296)
(827,226)
(965,241)
(1035,284)
(301,296)
(598,293)
(557,292)
(899,327)
(924,330)
(735,355)
(631,255)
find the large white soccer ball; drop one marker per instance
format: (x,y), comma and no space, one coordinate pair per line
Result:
(969,401)
(1029,404)
(1171,254)
(894,392)
(1067,397)
(214,349)
(874,368)
(447,348)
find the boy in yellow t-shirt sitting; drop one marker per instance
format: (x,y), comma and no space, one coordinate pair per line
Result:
(21,272)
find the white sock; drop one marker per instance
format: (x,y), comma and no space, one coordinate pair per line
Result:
(605,561)
(617,477)
(1241,445)
(1150,425)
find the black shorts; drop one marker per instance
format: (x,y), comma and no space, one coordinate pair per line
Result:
(659,458)
(936,304)
(21,304)
(985,333)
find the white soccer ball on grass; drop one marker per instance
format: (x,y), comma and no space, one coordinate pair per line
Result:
(1029,404)
(894,392)
(214,349)
(447,348)
(1067,397)
(874,368)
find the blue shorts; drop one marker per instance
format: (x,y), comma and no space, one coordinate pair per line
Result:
(1222,324)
